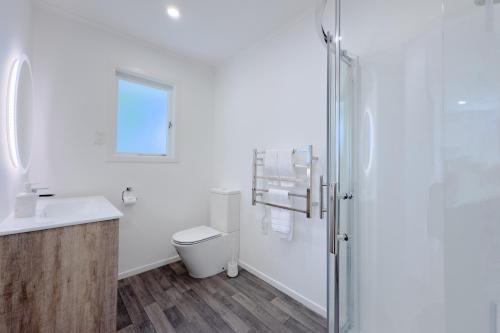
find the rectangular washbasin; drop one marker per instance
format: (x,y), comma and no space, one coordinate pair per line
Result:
(61,212)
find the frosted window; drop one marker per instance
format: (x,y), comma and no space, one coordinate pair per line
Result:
(143,119)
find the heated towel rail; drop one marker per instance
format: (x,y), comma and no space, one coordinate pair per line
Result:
(304,179)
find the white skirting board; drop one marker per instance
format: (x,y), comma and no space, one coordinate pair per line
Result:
(281,287)
(141,269)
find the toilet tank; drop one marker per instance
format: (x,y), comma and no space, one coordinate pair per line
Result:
(225,209)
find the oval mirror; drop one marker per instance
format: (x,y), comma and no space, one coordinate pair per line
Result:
(20,113)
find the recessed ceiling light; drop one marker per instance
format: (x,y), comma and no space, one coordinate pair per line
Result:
(173,12)
(462,102)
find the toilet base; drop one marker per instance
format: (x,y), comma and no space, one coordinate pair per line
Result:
(207,258)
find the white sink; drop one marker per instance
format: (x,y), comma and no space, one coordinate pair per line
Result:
(55,213)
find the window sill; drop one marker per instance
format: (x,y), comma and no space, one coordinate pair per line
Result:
(141,159)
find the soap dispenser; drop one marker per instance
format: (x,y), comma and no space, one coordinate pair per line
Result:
(25,202)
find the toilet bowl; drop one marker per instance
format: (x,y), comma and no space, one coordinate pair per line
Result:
(206,250)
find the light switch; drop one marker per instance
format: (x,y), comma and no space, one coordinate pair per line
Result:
(99,138)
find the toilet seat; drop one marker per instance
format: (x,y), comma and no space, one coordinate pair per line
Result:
(195,235)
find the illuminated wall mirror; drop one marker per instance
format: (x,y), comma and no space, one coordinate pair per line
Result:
(20,113)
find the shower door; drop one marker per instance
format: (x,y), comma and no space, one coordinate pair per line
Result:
(341,258)
(419,149)
(340,180)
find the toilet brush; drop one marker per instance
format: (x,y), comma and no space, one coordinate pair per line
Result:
(232,266)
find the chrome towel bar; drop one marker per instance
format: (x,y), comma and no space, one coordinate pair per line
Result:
(289,194)
(285,179)
(305,181)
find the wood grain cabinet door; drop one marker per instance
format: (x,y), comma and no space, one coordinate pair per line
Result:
(60,280)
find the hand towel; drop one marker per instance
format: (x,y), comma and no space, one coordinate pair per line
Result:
(271,166)
(286,166)
(279,163)
(264,217)
(281,219)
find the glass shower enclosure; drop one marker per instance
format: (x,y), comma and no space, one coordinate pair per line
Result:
(414,165)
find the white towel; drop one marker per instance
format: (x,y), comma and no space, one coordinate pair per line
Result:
(263,216)
(286,166)
(279,163)
(271,166)
(281,219)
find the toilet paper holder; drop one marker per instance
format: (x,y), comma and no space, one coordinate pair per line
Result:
(128,192)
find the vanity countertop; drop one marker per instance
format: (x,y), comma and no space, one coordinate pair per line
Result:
(62,212)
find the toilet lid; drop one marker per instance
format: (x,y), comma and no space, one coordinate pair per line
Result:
(195,235)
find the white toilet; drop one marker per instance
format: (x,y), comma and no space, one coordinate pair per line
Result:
(206,250)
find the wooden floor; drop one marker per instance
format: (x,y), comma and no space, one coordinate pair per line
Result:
(167,299)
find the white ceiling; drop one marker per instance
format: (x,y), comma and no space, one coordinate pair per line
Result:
(209,30)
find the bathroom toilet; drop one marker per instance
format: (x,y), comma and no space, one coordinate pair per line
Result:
(206,250)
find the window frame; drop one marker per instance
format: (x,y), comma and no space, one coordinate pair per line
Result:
(113,155)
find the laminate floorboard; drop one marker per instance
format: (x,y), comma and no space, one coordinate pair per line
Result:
(167,299)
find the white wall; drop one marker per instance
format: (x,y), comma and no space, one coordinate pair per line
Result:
(74,65)
(274,96)
(15,39)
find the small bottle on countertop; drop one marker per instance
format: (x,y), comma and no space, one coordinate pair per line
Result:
(25,202)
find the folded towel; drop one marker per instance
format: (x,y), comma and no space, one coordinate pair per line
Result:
(271,163)
(286,166)
(271,166)
(279,163)
(281,219)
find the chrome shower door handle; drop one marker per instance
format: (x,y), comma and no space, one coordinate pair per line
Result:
(333,218)
(322,209)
